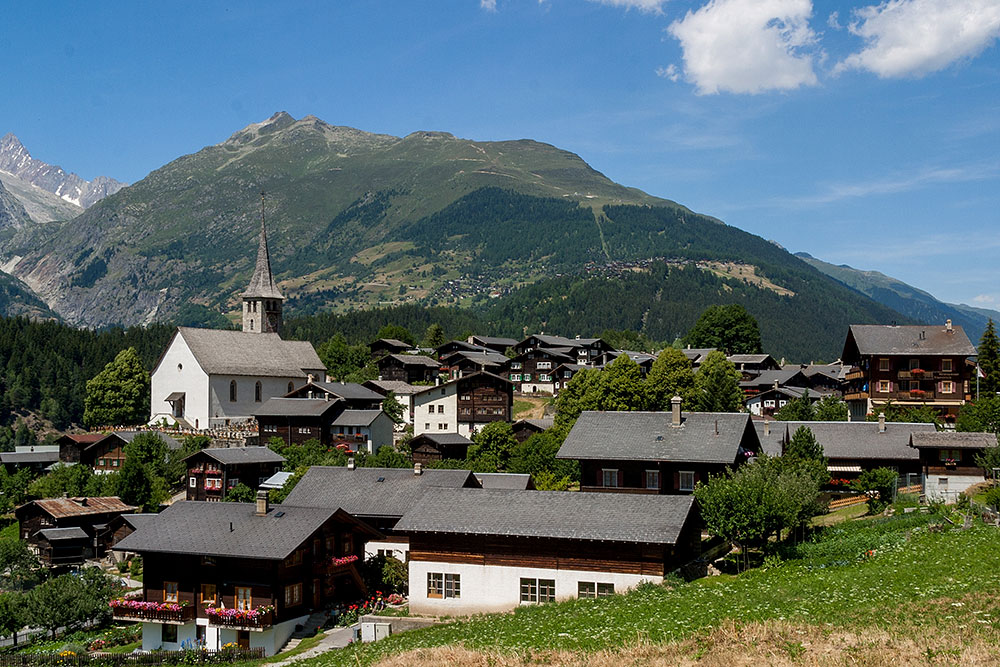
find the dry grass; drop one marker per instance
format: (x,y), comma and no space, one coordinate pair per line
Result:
(940,632)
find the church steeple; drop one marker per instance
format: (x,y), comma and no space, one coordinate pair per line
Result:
(262,300)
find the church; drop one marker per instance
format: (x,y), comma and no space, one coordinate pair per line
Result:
(210,378)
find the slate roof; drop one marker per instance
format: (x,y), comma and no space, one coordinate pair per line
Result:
(614,517)
(351,391)
(889,340)
(768,378)
(697,354)
(356,418)
(397,387)
(953,440)
(489,357)
(504,480)
(129,436)
(748,358)
(64,507)
(862,440)
(229,529)
(295,407)
(703,437)
(542,424)
(276,481)
(770,443)
(359,492)
(796,392)
(444,438)
(25,458)
(262,282)
(464,378)
(223,352)
(496,340)
(240,455)
(59,534)
(412,360)
(393,342)
(138,521)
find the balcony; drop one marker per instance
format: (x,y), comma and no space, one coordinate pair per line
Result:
(155,612)
(856,396)
(255,620)
(855,374)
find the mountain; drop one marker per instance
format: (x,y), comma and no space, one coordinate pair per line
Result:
(916,304)
(359,220)
(12,213)
(40,205)
(16,161)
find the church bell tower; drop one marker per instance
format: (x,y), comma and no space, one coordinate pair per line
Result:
(262,300)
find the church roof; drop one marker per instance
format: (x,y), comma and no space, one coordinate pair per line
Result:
(223,352)
(262,283)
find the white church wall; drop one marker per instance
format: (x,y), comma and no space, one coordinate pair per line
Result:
(179,371)
(243,407)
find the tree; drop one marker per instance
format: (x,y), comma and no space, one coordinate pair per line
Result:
(434,336)
(989,361)
(176,469)
(796,410)
(63,480)
(138,486)
(397,332)
(494,444)
(982,414)
(717,387)
(622,386)
(18,566)
(729,328)
(119,394)
(579,394)
(67,600)
(150,450)
(803,445)
(671,375)
(830,409)
(917,414)
(345,362)
(13,488)
(11,615)
(241,493)
(392,407)
(536,456)
(878,485)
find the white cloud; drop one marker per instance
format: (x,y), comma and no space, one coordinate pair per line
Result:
(917,37)
(747,46)
(650,6)
(984,298)
(488,5)
(669,72)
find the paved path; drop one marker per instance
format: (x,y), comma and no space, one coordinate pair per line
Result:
(335,638)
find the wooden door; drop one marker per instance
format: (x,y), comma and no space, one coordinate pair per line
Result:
(243,638)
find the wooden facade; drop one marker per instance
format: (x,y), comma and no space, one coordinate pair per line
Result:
(483,398)
(92,515)
(536,367)
(408,368)
(653,477)
(209,479)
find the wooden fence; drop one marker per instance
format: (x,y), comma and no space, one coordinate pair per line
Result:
(847,501)
(194,657)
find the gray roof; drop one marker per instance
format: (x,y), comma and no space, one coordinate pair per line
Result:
(276,481)
(26,458)
(768,378)
(954,440)
(222,352)
(295,407)
(56,534)
(227,529)
(915,340)
(748,358)
(496,340)
(543,424)
(862,440)
(413,360)
(444,438)
(487,357)
(696,354)
(464,378)
(129,436)
(394,342)
(138,521)
(351,391)
(239,455)
(397,387)
(262,282)
(702,437)
(615,517)
(503,480)
(770,443)
(356,418)
(360,492)
(796,392)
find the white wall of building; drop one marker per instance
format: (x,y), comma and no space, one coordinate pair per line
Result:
(272,639)
(223,409)
(948,487)
(399,550)
(444,397)
(538,387)
(179,371)
(492,588)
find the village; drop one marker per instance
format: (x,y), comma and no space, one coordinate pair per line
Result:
(414,504)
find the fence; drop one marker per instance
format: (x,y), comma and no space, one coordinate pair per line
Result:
(847,501)
(196,657)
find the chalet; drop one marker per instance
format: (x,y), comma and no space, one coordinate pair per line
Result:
(463,405)
(852,447)
(39,519)
(296,420)
(908,365)
(402,391)
(767,402)
(354,396)
(948,461)
(439,446)
(453,346)
(383,346)
(121,527)
(582,350)
(464,362)
(213,471)
(697,355)
(408,368)
(826,377)
(104,452)
(505,480)
(563,373)
(643,359)
(480,550)
(525,428)
(220,573)
(752,365)
(657,452)
(377,496)
(495,343)
(533,371)
(772,380)
(34,457)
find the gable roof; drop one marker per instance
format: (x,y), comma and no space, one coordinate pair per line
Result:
(771,441)
(442,438)
(22,458)
(360,492)
(542,424)
(239,455)
(137,521)
(911,339)
(486,357)
(750,358)
(129,436)
(505,480)
(351,391)
(615,517)
(703,437)
(953,440)
(59,534)
(768,378)
(464,378)
(296,407)
(490,341)
(356,418)
(862,440)
(223,352)
(60,508)
(390,342)
(411,360)
(230,529)
(397,387)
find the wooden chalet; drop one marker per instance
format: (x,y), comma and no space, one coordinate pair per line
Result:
(213,471)
(409,368)
(583,350)
(52,527)
(769,401)
(104,452)
(482,550)
(563,373)
(36,458)
(773,380)
(354,396)
(464,362)
(533,371)
(219,573)
(525,428)
(495,343)
(463,405)
(453,346)
(642,359)
(383,346)
(948,461)
(121,527)
(657,452)
(403,393)
(431,447)
(297,420)
(752,365)
(908,365)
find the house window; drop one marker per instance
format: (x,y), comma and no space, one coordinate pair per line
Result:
(946,365)
(294,559)
(442,427)
(100,462)
(542,377)
(914,385)
(950,455)
(686,480)
(538,590)
(527,377)
(591,589)
(947,387)
(515,377)
(609,478)
(305,431)
(440,409)
(208,594)
(769,403)
(291,387)
(652,479)
(605,590)
(257,393)
(232,391)
(515,365)
(192,482)
(543,365)
(914,363)
(293,595)
(169,634)
(213,483)
(170,591)
(440,585)
(427,426)
(883,364)
(884,386)
(466,397)
(244,599)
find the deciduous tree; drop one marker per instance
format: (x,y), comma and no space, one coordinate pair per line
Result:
(671,375)
(119,394)
(717,387)
(729,328)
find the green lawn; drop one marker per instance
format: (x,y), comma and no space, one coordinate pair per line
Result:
(856,573)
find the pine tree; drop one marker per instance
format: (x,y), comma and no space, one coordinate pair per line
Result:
(804,445)
(989,360)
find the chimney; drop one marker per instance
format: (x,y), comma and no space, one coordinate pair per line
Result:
(310,378)
(881,422)
(83,502)
(767,427)
(775,384)
(675,411)
(716,427)
(418,468)
(947,326)
(262,507)
(350,463)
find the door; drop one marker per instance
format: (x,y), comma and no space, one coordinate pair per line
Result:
(243,638)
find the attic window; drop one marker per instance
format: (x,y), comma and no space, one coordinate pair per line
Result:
(180,367)
(380,479)
(278,515)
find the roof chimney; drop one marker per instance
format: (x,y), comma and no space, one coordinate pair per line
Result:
(776,384)
(262,506)
(350,463)
(947,326)
(675,411)
(716,427)
(310,378)
(881,422)
(767,427)
(418,468)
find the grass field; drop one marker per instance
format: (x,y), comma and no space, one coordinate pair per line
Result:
(880,582)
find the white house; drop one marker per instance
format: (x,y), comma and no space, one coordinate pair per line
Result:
(464,405)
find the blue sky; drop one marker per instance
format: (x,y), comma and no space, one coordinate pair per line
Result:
(861,132)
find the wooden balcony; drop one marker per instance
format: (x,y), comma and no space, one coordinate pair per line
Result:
(855,374)
(856,396)
(258,622)
(154,614)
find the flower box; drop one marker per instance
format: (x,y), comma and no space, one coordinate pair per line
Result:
(258,618)
(139,610)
